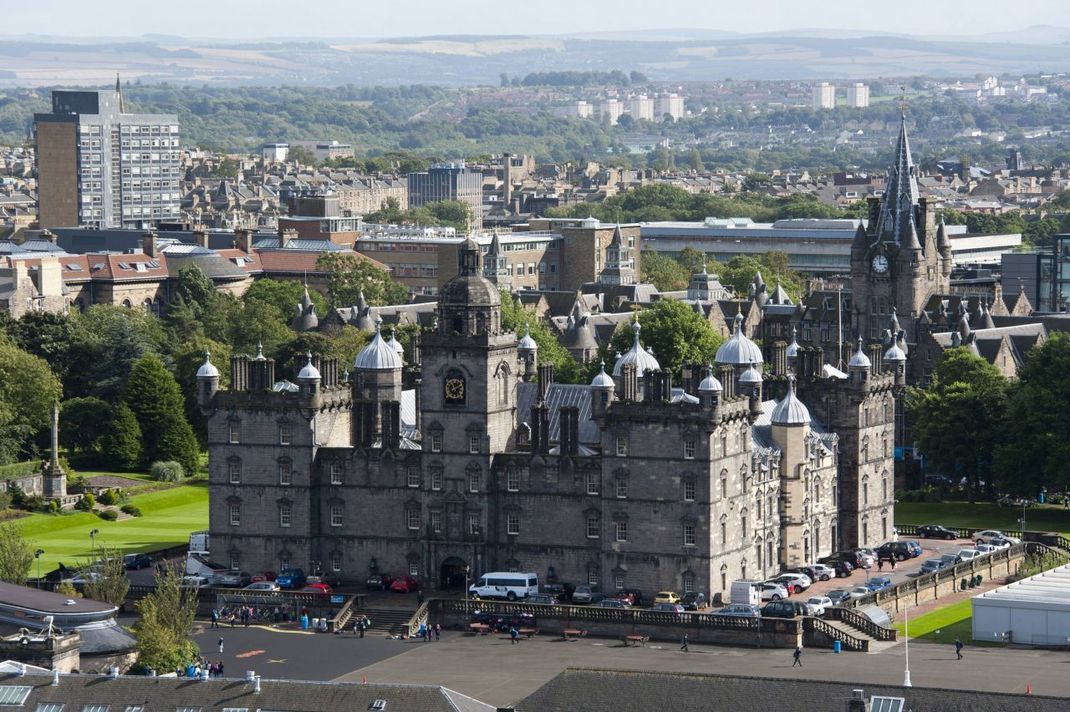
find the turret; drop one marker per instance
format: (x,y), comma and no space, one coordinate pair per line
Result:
(860,365)
(527,352)
(943,246)
(750,385)
(308,379)
(207,381)
(896,360)
(710,390)
(602,392)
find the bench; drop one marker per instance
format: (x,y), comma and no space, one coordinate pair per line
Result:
(528,632)
(479,628)
(572,634)
(636,640)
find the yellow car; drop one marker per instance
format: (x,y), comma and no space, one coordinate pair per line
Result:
(666,597)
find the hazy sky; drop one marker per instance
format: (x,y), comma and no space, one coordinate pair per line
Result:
(247,19)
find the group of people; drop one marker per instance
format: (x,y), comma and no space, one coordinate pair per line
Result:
(242,615)
(195,670)
(361,624)
(427,632)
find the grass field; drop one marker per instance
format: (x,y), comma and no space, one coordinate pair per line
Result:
(944,625)
(168,518)
(984,515)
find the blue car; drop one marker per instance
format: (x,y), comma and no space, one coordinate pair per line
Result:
(291,578)
(879,583)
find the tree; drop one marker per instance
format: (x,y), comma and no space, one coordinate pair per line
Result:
(165,622)
(256,322)
(284,295)
(349,275)
(663,272)
(958,421)
(301,156)
(517,319)
(28,388)
(694,160)
(108,582)
(195,289)
(48,336)
(740,270)
(16,554)
(676,333)
(83,423)
(152,393)
(120,447)
(109,340)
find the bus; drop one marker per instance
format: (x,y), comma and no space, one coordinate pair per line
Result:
(510,585)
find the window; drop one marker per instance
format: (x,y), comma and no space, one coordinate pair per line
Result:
(689,535)
(235,515)
(724,534)
(512,481)
(473,481)
(234,470)
(884,488)
(473,444)
(594,526)
(865,491)
(473,524)
(412,516)
(689,490)
(336,561)
(436,521)
(336,515)
(336,473)
(235,562)
(689,449)
(234,432)
(622,531)
(16,696)
(622,446)
(593,482)
(592,577)
(512,524)
(743,526)
(622,487)
(436,478)
(618,582)
(436,442)
(285,473)
(413,477)
(285,514)
(414,570)
(689,583)
(284,433)
(724,484)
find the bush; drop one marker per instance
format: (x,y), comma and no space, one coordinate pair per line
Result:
(131,509)
(86,503)
(169,471)
(53,507)
(66,588)
(5,500)
(109,514)
(111,497)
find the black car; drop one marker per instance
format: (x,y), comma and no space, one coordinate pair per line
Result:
(379,582)
(843,567)
(784,609)
(561,591)
(935,531)
(694,601)
(137,561)
(504,621)
(898,550)
(543,598)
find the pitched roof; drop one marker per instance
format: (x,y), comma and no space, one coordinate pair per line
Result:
(127,268)
(560,394)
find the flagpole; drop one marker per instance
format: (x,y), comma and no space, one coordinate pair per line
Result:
(906,638)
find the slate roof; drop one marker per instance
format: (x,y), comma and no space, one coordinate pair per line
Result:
(628,691)
(159,694)
(762,429)
(560,394)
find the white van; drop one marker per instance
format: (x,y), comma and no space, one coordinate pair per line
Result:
(505,584)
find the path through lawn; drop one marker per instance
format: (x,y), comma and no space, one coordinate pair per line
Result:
(168,518)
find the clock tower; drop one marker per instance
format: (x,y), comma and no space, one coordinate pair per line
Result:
(901,257)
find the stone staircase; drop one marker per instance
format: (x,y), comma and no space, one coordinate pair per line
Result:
(390,621)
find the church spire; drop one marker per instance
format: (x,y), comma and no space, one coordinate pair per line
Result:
(901,192)
(119,91)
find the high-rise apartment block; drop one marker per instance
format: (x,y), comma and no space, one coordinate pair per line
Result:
(99,166)
(858,96)
(611,109)
(824,96)
(449,181)
(583,110)
(671,105)
(641,107)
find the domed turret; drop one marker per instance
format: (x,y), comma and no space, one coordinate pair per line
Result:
(603,379)
(396,345)
(894,355)
(602,390)
(207,369)
(378,355)
(636,355)
(469,304)
(527,343)
(859,359)
(751,377)
(710,384)
(207,381)
(790,410)
(792,351)
(309,372)
(738,350)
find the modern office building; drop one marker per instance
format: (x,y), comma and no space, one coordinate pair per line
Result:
(448,181)
(99,166)
(858,95)
(824,96)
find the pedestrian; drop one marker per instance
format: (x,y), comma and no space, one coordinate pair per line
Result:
(514,635)
(438,631)
(683,643)
(892,562)
(220,644)
(797,655)
(427,633)
(215,617)
(958,648)
(880,564)
(219,668)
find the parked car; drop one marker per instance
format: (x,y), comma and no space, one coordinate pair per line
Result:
(668,607)
(862,558)
(233,579)
(821,572)
(951,560)
(331,578)
(986,548)
(404,584)
(930,566)
(843,569)
(291,578)
(788,585)
(632,596)
(262,586)
(612,603)
(838,595)
(694,601)
(986,536)
(316,588)
(836,559)
(542,598)
(379,582)
(196,582)
(583,594)
(898,550)
(133,562)
(562,591)
(773,591)
(264,576)
(859,591)
(742,610)
(504,621)
(816,605)
(784,609)
(968,554)
(800,582)
(879,583)
(1002,542)
(936,531)
(667,597)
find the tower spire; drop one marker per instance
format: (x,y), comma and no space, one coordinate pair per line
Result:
(119,91)
(901,191)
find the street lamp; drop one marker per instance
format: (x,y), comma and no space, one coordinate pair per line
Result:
(93,539)
(465,591)
(37,555)
(906,640)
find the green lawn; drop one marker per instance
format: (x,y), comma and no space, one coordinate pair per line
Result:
(168,518)
(944,625)
(984,515)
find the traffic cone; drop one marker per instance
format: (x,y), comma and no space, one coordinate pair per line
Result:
(364,679)
(1028,688)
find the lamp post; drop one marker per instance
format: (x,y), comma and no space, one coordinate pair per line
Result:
(466,591)
(906,640)
(1022,520)
(93,539)
(37,555)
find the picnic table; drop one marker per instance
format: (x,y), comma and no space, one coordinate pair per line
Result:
(528,632)
(636,640)
(573,633)
(479,628)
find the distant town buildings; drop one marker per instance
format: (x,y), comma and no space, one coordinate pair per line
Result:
(583,110)
(857,96)
(448,181)
(99,166)
(611,110)
(824,96)
(641,107)
(671,105)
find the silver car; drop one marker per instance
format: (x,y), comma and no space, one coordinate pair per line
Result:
(773,591)
(742,610)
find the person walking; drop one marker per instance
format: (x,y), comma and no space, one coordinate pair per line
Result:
(683,643)
(215,617)
(797,656)
(438,631)
(220,644)
(958,648)
(892,561)
(514,635)
(880,564)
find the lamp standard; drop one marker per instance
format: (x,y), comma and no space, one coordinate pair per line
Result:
(906,639)
(466,591)
(37,555)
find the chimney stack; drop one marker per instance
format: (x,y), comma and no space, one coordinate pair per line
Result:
(243,240)
(546,379)
(148,243)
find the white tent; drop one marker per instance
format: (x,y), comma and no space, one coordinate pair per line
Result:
(1033,611)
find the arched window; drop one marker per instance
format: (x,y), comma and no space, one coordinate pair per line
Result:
(865,449)
(502,378)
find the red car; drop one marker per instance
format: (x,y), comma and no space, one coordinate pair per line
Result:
(316,588)
(404,584)
(265,576)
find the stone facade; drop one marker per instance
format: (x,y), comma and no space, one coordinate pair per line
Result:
(464,462)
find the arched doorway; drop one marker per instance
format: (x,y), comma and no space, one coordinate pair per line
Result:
(452,574)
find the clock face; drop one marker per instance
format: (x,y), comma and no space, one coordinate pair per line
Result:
(880,264)
(454,389)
